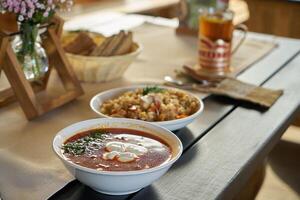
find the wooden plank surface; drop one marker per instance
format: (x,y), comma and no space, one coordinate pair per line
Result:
(219,164)
(215,111)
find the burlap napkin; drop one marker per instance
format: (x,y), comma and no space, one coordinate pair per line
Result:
(236,89)
(230,87)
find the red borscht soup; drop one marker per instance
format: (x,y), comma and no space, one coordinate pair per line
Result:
(116,149)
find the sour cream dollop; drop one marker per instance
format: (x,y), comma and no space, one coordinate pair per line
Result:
(123,152)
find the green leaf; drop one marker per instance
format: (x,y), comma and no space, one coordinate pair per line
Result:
(153,89)
(78,146)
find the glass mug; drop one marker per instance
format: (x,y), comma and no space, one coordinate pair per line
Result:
(215,39)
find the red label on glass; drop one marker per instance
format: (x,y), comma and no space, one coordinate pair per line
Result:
(214,55)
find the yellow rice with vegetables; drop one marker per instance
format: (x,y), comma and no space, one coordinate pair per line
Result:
(151,104)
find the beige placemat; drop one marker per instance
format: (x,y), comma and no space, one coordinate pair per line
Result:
(251,51)
(28,167)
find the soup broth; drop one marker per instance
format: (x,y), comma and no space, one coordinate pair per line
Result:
(114,149)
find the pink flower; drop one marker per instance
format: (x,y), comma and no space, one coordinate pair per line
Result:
(26,9)
(46,14)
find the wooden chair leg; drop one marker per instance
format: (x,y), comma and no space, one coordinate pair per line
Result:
(253,185)
(296,122)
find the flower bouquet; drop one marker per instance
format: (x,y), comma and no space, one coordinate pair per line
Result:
(30,15)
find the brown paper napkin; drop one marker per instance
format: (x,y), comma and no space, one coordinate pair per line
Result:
(236,89)
(231,87)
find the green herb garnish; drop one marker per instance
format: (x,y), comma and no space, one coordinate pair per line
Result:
(75,148)
(98,134)
(153,89)
(79,146)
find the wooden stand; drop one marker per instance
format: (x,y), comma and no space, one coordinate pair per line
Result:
(25,91)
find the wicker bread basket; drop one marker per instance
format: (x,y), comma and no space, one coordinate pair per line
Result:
(100,68)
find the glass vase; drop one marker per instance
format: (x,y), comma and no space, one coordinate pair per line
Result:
(30,53)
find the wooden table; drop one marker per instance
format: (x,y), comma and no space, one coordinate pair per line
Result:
(224,146)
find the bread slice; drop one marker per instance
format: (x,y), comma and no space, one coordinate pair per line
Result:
(118,44)
(114,43)
(83,44)
(99,49)
(125,46)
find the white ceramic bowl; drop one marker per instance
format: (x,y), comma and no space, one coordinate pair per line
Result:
(171,125)
(120,182)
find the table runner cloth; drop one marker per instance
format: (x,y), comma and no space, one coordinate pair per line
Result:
(28,167)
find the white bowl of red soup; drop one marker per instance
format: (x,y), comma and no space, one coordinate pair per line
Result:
(168,107)
(117,156)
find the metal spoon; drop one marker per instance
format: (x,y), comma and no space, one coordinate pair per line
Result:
(169,79)
(179,83)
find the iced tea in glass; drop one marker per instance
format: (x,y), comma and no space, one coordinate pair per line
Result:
(215,39)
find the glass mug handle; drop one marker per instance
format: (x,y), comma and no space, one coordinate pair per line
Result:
(244,29)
